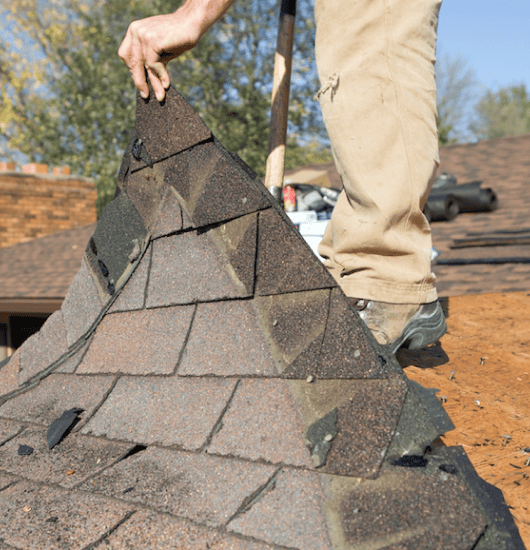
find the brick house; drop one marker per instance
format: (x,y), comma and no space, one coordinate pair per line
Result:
(34,203)
(43,232)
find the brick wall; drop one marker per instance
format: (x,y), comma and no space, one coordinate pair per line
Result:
(34,203)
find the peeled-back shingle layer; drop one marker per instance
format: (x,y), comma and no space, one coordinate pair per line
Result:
(223,393)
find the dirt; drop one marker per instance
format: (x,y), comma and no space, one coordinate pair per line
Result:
(482,367)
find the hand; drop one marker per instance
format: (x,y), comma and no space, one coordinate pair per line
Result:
(151,43)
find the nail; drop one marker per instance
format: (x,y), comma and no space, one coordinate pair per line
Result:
(452,375)
(310,379)
(506,439)
(528,461)
(443,399)
(482,360)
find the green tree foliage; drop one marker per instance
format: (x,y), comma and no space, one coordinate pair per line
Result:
(456,90)
(505,112)
(68,99)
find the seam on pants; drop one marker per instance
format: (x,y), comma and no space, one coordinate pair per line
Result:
(388,26)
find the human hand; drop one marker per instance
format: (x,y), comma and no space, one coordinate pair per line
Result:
(151,43)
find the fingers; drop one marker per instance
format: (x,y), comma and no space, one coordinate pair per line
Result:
(131,52)
(159,78)
(138,54)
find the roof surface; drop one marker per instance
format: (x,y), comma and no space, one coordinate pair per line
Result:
(42,269)
(182,409)
(502,164)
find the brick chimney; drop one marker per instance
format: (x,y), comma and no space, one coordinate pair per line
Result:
(35,168)
(61,170)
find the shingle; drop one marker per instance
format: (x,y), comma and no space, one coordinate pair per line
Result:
(291,323)
(411,505)
(8,430)
(262,423)
(190,267)
(345,350)
(289,514)
(9,375)
(54,395)
(360,445)
(81,306)
(169,128)
(226,340)
(170,218)
(161,532)
(43,348)
(132,295)
(364,416)
(139,342)
(285,261)
(146,190)
(169,411)
(120,230)
(215,186)
(208,490)
(69,364)
(34,517)
(74,459)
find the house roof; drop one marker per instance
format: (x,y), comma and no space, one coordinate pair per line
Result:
(170,404)
(502,164)
(35,275)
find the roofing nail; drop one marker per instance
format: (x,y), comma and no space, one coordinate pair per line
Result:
(443,398)
(357,353)
(310,379)
(452,375)
(482,360)
(506,439)
(528,461)
(328,437)
(275,322)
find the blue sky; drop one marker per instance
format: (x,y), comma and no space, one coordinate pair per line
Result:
(493,37)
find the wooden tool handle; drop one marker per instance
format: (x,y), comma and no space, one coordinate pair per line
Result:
(280,98)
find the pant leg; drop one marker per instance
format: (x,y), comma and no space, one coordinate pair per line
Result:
(376,65)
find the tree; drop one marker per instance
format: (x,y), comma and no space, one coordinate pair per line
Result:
(68,99)
(456,90)
(505,112)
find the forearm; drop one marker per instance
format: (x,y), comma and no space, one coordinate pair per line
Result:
(202,14)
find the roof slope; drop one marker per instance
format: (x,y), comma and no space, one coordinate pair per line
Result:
(210,386)
(502,164)
(43,268)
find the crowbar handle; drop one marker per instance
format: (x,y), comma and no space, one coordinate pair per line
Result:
(280,100)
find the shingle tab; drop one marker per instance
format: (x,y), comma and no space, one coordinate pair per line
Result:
(54,395)
(165,135)
(9,375)
(285,261)
(208,490)
(34,517)
(262,423)
(82,305)
(43,348)
(161,532)
(399,508)
(120,230)
(169,411)
(218,347)
(139,342)
(290,514)
(190,268)
(69,463)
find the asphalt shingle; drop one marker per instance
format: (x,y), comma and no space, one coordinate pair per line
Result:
(229,397)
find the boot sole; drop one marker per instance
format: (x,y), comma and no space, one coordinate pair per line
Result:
(421,332)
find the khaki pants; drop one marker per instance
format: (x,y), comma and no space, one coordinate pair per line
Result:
(375,60)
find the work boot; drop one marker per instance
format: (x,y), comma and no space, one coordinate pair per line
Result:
(412,326)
